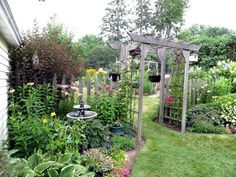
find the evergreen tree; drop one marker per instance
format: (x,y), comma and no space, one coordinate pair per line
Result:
(115,23)
(144,16)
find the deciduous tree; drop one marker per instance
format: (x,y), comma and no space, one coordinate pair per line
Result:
(168,17)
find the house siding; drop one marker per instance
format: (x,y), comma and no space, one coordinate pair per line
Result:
(4,69)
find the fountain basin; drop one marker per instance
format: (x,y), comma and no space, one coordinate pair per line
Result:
(78,107)
(77,115)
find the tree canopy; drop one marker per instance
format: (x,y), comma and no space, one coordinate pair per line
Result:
(143,13)
(115,23)
(216,43)
(168,17)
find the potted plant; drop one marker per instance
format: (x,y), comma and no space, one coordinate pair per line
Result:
(114,74)
(117,128)
(153,76)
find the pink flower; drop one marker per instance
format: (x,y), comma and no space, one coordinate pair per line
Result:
(122,172)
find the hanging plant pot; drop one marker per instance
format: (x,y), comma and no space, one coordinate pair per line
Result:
(114,76)
(155,78)
(135,85)
(135,52)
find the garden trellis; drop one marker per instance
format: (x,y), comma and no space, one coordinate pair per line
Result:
(162,48)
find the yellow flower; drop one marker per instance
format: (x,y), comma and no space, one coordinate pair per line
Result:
(53,114)
(45,121)
(100,70)
(91,73)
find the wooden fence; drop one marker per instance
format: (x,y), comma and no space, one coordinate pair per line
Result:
(92,86)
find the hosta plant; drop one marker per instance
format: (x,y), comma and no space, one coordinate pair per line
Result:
(60,165)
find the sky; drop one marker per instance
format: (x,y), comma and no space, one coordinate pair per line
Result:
(83,17)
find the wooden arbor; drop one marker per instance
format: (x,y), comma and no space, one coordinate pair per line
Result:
(162,48)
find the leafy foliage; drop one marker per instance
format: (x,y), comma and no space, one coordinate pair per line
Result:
(204,112)
(222,87)
(101,56)
(168,17)
(217,44)
(206,127)
(7,163)
(33,100)
(49,134)
(59,165)
(226,69)
(227,107)
(115,22)
(97,161)
(124,95)
(148,87)
(123,142)
(65,106)
(144,15)
(118,156)
(107,114)
(44,54)
(95,134)
(220,112)
(88,43)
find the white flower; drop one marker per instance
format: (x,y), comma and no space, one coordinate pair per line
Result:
(76,83)
(65,93)
(30,83)
(74,88)
(63,86)
(208,91)
(11,90)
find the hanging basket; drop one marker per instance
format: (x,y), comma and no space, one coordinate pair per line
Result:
(114,76)
(155,78)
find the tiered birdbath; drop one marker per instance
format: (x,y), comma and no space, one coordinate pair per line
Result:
(81,111)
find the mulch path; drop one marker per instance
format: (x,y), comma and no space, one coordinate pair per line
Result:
(132,155)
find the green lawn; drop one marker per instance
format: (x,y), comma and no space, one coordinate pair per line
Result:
(167,153)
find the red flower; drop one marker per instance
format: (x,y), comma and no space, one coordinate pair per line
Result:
(169,99)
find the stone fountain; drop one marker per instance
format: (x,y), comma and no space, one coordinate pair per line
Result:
(81,111)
